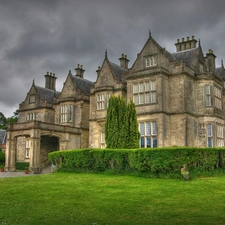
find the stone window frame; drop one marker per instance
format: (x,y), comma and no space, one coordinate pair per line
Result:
(219,135)
(145,92)
(149,134)
(208,95)
(102,140)
(151,61)
(31,116)
(218,97)
(27,149)
(103,101)
(209,128)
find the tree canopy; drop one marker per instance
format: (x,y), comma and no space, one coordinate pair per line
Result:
(4,122)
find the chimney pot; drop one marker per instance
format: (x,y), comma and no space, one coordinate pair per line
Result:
(178,40)
(193,37)
(187,38)
(182,39)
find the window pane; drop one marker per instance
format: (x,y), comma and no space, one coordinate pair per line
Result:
(208,100)
(142,129)
(141,98)
(209,129)
(154,131)
(147,97)
(141,87)
(147,86)
(209,142)
(135,99)
(153,97)
(154,142)
(153,85)
(148,142)
(147,128)
(142,144)
(135,88)
(207,89)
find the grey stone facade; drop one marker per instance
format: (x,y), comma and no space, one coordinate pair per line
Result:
(179,100)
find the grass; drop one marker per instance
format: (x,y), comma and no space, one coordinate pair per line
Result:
(98,199)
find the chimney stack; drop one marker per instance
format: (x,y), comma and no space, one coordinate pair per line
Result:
(50,81)
(79,71)
(185,44)
(124,61)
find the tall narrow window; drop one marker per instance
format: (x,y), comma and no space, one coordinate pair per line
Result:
(208,95)
(209,135)
(100,101)
(102,139)
(107,100)
(218,98)
(148,131)
(31,116)
(219,136)
(63,110)
(27,150)
(70,113)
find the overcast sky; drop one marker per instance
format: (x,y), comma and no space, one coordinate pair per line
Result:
(37,36)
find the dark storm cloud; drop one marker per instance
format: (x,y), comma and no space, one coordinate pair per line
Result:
(52,35)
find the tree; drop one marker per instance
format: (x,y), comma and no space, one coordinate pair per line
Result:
(121,128)
(4,122)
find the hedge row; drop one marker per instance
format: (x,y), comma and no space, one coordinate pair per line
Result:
(22,165)
(2,157)
(160,160)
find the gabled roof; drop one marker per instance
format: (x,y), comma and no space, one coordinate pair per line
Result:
(2,136)
(82,84)
(47,94)
(117,70)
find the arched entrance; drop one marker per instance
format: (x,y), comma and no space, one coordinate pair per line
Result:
(48,144)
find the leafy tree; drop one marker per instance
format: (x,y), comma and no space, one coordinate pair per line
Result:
(121,128)
(4,122)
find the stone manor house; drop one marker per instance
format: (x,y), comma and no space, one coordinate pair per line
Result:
(179,98)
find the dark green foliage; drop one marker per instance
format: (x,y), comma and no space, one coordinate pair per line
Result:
(133,132)
(121,127)
(4,122)
(140,161)
(2,157)
(22,165)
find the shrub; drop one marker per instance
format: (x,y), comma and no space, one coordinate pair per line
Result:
(154,160)
(22,165)
(2,157)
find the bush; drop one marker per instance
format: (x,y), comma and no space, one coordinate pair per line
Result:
(22,165)
(2,157)
(155,160)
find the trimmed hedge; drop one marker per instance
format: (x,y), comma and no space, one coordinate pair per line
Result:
(154,160)
(22,165)
(2,157)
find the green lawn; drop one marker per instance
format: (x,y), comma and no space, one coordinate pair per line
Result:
(97,199)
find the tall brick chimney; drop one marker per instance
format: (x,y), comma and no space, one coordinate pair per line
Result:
(50,81)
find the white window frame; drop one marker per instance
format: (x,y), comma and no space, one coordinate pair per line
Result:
(209,135)
(145,92)
(218,97)
(100,101)
(31,116)
(63,113)
(208,101)
(219,135)
(148,131)
(151,61)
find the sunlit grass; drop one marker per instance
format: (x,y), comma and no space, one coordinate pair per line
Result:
(70,198)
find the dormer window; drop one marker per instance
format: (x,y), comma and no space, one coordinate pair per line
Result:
(151,61)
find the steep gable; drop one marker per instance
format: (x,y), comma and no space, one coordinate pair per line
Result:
(75,86)
(151,55)
(109,74)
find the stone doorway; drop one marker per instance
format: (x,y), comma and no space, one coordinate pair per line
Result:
(48,144)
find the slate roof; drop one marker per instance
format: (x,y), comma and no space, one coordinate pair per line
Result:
(117,70)
(188,56)
(82,85)
(2,136)
(47,94)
